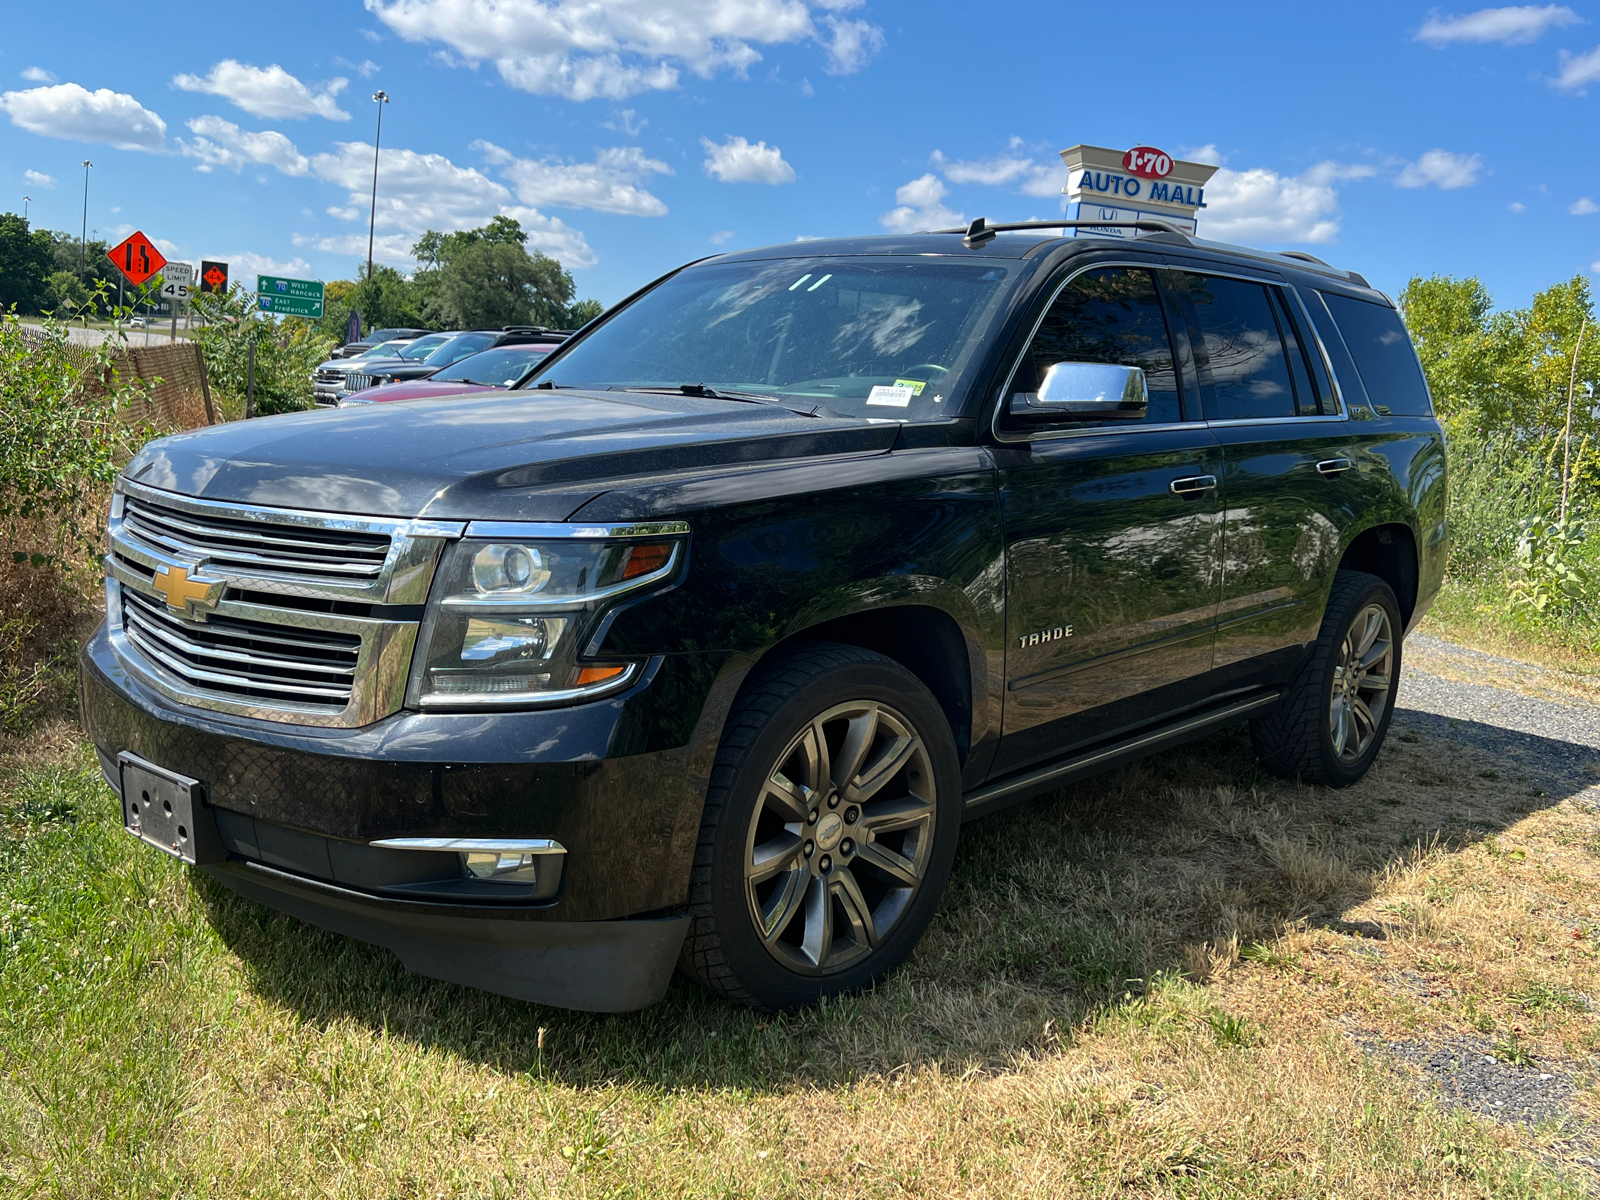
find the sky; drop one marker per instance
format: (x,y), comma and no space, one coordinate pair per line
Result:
(629,136)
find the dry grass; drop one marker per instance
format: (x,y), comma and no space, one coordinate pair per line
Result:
(1157,984)
(1480,616)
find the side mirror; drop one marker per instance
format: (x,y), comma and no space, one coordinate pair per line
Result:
(1077,391)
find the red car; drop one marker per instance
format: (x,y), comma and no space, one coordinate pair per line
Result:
(487,370)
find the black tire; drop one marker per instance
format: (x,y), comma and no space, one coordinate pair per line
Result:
(772,733)
(1300,738)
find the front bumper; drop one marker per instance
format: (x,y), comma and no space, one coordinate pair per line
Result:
(614,781)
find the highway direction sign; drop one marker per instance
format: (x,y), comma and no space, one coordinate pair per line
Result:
(289,297)
(136,258)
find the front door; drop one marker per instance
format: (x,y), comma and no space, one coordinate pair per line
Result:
(1113,532)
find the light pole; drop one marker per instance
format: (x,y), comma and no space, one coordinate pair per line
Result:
(83,243)
(380,98)
(25,202)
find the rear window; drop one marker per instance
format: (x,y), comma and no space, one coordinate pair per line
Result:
(1384,357)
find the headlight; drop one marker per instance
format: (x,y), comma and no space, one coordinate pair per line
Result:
(506,619)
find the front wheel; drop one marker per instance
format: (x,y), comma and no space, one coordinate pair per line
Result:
(829,829)
(1336,715)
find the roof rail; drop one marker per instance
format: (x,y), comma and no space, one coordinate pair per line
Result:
(1304,257)
(980,231)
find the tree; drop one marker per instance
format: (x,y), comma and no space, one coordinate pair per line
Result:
(386,301)
(64,296)
(26,259)
(486,277)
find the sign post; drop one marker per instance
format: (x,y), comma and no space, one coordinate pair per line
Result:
(289,297)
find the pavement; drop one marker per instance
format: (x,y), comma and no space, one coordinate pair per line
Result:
(1531,717)
(158,333)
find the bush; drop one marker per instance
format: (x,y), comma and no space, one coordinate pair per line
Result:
(287,352)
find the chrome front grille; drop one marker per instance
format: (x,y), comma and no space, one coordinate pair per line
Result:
(354,382)
(328,375)
(292,615)
(254,660)
(284,551)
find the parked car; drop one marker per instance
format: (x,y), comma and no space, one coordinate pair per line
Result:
(377,338)
(328,380)
(503,367)
(453,349)
(698,648)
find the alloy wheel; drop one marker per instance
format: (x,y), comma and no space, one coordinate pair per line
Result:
(1361,683)
(839,842)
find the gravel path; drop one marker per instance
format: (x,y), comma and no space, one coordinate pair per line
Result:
(1554,741)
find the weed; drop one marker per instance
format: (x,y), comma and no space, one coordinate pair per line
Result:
(1513,1050)
(1232,1031)
(1543,997)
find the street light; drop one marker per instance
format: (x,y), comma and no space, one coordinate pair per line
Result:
(380,98)
(26,200)
(83,244)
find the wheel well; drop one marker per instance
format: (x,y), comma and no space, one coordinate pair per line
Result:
(1390,553)
(925,641)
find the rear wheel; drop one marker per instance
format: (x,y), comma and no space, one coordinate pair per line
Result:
(1333,722)
(829,829)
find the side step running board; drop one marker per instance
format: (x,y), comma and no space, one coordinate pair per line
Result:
(1026,784)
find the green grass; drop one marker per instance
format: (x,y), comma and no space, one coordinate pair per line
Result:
(160,1037)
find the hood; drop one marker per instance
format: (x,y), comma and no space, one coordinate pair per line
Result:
(419,389)
(521,455)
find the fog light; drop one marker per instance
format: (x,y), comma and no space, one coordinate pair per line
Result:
(503,866)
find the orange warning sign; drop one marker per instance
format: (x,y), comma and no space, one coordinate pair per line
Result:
(137,258)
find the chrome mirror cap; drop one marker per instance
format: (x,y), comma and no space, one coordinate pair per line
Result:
(1078,391)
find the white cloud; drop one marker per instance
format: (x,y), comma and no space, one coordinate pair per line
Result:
(721,237)
(417,192)
(737,161)
(37,75)
(267,91)
(609,184)
(220,143)
(1584,207)
(585,51)
(1029,177)
(1441,168)
(79,115)
(1517,206)
(920,206)
(850,46)
(39,179)
(1260,205)
(366,68)
(1578,71)
(1516,26)
(627,122)
(245,265)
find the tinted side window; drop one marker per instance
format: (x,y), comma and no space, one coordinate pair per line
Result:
(1109,315)
(1240,354)
(1355,396)
(1383,354)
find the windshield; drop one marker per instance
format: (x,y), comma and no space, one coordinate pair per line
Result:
(459,347)
(381,350)
(422,347)
(870,336)
(495,368)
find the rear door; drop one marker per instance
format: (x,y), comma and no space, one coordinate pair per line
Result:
(1294,473)
(1112,530)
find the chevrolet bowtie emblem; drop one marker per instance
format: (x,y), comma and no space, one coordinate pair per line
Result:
(187,593)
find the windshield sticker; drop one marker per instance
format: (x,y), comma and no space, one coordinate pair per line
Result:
(891,397)
(916,385)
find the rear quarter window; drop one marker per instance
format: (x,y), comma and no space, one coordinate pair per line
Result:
(1383,355)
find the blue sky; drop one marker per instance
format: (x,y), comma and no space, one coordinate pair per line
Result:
(631,135)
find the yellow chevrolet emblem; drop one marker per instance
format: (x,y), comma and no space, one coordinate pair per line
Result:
(186,592)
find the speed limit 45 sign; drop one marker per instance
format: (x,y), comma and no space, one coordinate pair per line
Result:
(177,281)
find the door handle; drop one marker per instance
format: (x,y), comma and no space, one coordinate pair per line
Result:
(1192,486)
(1334,466)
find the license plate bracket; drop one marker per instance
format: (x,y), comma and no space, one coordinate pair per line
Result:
(169,811)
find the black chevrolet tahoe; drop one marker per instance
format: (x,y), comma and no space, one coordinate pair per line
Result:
(696,651)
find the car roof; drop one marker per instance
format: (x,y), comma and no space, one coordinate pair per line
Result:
(1028,243)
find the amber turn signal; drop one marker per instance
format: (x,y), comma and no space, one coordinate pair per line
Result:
(584,676)
(644,559)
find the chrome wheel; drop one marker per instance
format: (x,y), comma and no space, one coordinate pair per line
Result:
(1361,679)
(839,842)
